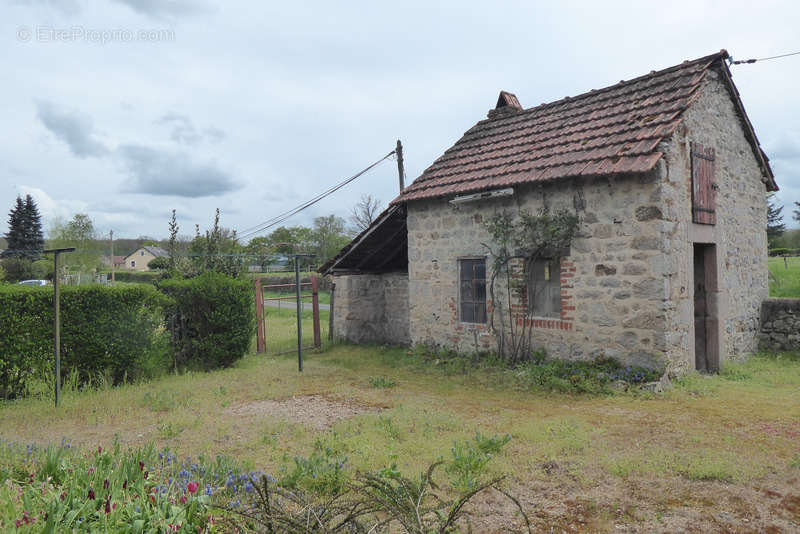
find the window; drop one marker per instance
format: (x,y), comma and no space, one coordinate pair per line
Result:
(472,290)
(544,288)
(141,253)
(133,263)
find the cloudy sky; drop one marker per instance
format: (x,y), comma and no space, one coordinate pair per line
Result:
(126,109)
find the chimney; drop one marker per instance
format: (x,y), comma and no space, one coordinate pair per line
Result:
(507,104)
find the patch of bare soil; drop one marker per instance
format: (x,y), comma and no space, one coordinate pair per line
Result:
(317,411)
(557,503)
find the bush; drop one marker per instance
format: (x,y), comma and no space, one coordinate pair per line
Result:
(106,332)
(780,251)
(212,320)
(158,264)
(134,276)
(17,269)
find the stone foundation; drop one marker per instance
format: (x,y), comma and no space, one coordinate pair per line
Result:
(780,325)
(371,308)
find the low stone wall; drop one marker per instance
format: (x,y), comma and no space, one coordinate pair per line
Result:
(780,325)
(371,308)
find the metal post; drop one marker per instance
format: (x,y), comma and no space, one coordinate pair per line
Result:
(57,326)
(400,170)
(111,236)
(299,316)
(57,319)
(260,340)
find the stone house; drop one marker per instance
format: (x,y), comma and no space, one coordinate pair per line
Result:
(670,264)
(138,260)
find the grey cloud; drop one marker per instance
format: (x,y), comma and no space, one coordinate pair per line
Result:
(67,7)
(73,128)
(164,8)
(184,131)
(160,172)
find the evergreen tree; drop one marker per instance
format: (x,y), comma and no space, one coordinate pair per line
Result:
(24,237)
(775,225)
(15,237)
(797,212)
(33,226)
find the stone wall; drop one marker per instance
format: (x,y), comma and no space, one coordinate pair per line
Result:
(612,289)
(780,325)
(371,308)
(739,233)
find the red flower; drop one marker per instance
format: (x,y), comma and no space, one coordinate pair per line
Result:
(192,487)
(108,505)
(183,499)
(125,484)
(141,465)
(105,484)
(91,494)
(99,450)
(63,495)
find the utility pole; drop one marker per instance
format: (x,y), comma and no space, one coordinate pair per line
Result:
(111,236)
(400,171)
(299,309)
(57,318)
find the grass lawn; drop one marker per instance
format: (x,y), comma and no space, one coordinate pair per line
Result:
(714,454)
(784,277)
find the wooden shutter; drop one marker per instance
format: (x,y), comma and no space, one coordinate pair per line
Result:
(704,188)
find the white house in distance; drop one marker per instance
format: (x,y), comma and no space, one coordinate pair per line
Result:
(138,260)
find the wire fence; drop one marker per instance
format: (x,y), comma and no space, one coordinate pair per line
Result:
(279,318)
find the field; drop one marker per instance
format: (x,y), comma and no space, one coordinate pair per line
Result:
(784,277)
(714,454)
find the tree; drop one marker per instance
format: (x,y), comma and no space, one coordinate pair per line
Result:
(775,224)
(79,232)
(329,237)
(218,250)
(290,240)
(797,212)
(24,237)
(158,264)
(262,251)
(364,212)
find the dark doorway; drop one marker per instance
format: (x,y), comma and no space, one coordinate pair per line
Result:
(706,325)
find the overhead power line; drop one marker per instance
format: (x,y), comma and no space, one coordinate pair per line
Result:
(278,219)
(743,61)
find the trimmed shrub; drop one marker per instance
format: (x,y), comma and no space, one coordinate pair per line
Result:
(108,332)
(212,320)
(780,251)
(140,277)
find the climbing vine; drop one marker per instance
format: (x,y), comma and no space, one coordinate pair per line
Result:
(522,238)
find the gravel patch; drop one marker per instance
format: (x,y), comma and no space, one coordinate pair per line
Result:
(317,411)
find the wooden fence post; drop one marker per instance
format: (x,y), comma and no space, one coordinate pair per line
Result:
(315,307)
(260,340)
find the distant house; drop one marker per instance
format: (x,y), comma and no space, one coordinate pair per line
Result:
(138,260)
(119,261)
(670,265)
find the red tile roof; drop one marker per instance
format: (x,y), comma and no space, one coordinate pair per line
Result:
(606,131)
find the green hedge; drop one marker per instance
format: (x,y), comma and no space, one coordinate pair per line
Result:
(135,276)
(114,332)
(212,319)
